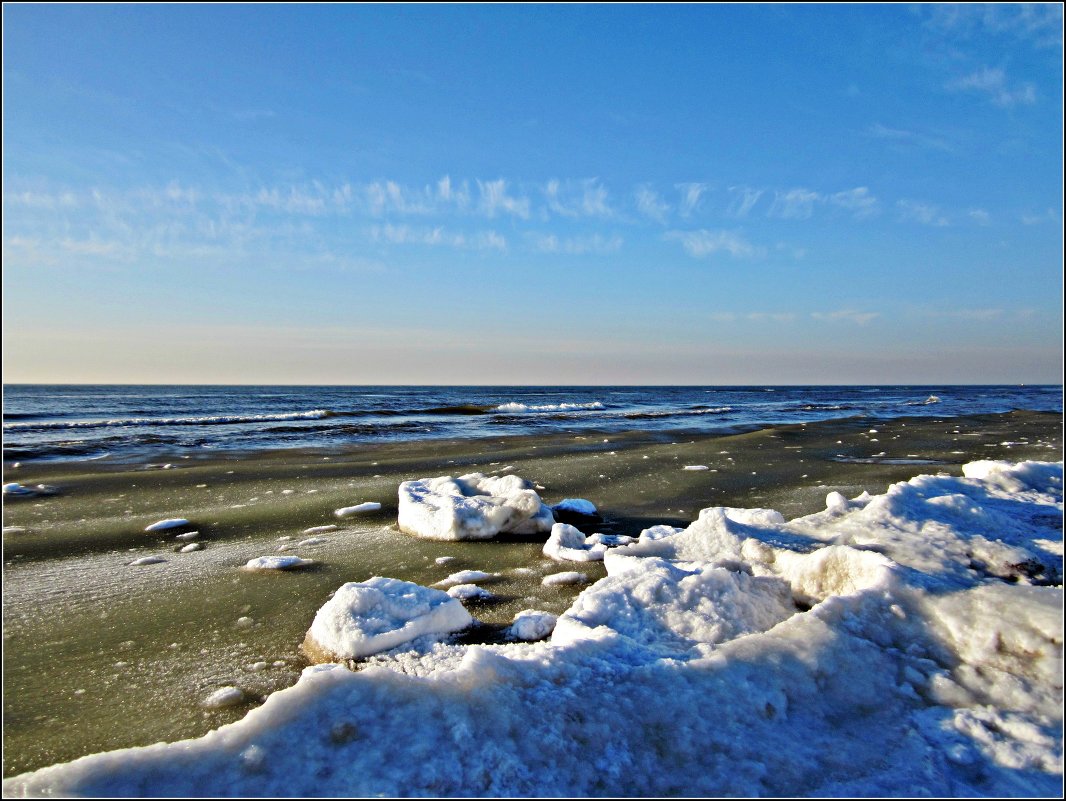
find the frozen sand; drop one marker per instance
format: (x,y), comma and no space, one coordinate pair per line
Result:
(193,603)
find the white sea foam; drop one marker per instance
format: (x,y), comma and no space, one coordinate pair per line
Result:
(523,408)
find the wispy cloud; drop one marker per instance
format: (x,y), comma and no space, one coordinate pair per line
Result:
(858,201)
(437,236)
(690,197)
(1040,24)
(980,216)
(993,84)
(584,198)
(794,204)
(919,212)
(495,199)
(846,316)
(650,204)
(577,246)
(1050,215)
(909,138)
(707,243)
(744,199)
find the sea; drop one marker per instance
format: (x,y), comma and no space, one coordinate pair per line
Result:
(124,423)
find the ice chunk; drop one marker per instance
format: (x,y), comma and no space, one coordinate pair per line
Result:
(170,522)
(319,529)
(568,544)
(471,507)
(566,577)
(466,577)
(363,618)
(147,560)
(469,592)
(531,625)
(577,506)
(276,563)
(224,697)
(361,507)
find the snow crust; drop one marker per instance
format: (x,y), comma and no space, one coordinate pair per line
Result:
(902,644)
(363,618)
(471,507)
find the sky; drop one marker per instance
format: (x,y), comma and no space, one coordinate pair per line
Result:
(532,194)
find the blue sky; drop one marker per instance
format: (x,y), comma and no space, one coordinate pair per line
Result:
(735,194)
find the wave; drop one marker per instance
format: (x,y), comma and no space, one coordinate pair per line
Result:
(315,414)
(928,401)
(523,408)
(695,410)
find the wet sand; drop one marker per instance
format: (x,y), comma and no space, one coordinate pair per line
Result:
(100,655)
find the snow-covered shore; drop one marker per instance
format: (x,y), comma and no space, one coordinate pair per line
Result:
(901,644)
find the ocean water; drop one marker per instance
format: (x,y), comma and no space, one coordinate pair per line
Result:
(137,422)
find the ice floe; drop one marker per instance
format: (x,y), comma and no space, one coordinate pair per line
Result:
(471,507)
(469,592)
(577,506)
(466,577)
(568,544)
(901,644)
(363,618)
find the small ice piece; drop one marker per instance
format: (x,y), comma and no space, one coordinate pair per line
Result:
(577,506)
(469,592)
(530,625)
(189,535)
(287,492)
(276,563)
(465,577)
(14,529)
(568,544)
(364,618)
(311,541)
(147,560)
(566,577)
(170,522)
(14,488)
(245,622)
(192,546)
(361,507)
(319,529)
(257,667)
(695,467)
(471,507)
(223,697)
(443,560)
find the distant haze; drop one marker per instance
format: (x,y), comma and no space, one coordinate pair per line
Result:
(532,194)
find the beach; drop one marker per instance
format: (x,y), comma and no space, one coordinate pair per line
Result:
(100,654)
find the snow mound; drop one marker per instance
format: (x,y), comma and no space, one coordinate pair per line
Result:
(868,650)
(568,544)
(530,625)
(364,618)
(471,507)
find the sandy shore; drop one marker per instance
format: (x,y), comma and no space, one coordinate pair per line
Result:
(99,654)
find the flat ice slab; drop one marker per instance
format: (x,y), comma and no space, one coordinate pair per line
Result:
(369,506)
(471,507)
(363,618)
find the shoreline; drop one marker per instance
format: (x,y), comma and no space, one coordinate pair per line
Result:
(88,637)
